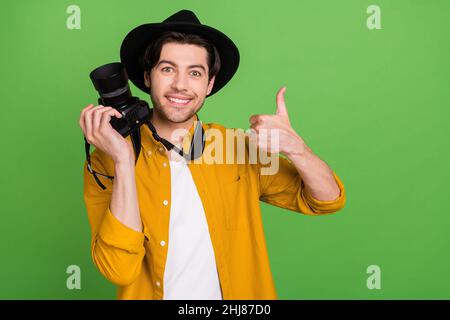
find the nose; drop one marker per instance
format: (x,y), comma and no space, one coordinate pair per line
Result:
(179,82)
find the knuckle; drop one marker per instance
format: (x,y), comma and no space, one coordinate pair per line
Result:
(106,117)
(88,113)
(95,136)
(95,110)
(95,114)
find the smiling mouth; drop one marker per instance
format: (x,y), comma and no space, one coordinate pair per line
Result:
(178,102)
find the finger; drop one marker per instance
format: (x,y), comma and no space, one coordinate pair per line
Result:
(89,106)
(81,119)
(254,118)
(281,105)
(83,111)
(259,119)
(268,124)
(97,116)
(256,127)
(88,123)
(106,117)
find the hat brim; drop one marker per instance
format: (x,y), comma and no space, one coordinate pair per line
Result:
(137,40)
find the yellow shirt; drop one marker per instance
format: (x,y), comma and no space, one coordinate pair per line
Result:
(230,194)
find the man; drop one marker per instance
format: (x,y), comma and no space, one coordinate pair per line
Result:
(171,228)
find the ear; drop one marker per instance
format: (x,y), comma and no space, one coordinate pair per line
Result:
(210,85)
(147,79)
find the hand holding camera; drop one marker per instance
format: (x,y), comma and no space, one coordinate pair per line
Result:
(96,126)
(107,127)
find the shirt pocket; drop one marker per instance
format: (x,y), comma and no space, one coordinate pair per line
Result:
(235,202)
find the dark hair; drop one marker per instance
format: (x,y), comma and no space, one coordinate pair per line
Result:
(153,51)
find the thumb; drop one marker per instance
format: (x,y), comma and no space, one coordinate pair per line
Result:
(281,105)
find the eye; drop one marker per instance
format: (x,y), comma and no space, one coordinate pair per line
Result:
(165,68)
(197,74)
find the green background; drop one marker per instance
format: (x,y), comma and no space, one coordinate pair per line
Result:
(373,104)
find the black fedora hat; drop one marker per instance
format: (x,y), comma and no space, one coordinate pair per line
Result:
(136,41)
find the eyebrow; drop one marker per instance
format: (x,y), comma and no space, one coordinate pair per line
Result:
(175,65)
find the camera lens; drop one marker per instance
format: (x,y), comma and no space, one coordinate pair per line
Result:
(111,82)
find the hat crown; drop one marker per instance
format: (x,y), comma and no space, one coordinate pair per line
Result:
(183,16)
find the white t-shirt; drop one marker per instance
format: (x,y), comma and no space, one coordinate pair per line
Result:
(191,272)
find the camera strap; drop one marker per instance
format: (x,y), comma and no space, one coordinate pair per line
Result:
(135,139)
(197,143)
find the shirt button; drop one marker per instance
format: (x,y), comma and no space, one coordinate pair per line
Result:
(165,202)
(161,149)
(162,243)
(149,152)
(164,164)
(158,283)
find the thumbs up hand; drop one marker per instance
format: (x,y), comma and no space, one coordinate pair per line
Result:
(274,133)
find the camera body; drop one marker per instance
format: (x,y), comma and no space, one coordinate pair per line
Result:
(134,113)
(111,82)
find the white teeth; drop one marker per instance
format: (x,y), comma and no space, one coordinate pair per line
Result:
(178,100)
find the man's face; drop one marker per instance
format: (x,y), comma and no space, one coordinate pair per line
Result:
(179,81)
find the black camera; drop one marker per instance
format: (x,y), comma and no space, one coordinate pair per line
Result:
(111,82)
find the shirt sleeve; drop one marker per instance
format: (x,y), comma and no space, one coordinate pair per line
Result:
(286,189)
(117,250)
